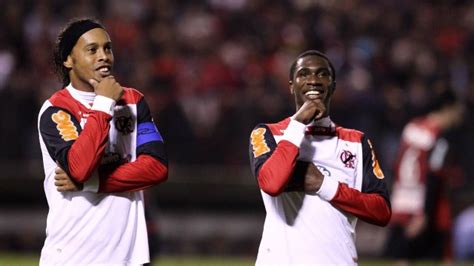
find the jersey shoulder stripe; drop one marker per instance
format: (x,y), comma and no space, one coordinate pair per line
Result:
(278,128)
(351,135)
(130,96)
(64,100)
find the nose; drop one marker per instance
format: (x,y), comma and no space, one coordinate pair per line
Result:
(313,79)
(102,55)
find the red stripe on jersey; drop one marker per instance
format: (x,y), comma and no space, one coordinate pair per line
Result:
(277,129)
(350,135)
(130,96)
(371,208)
(64,100)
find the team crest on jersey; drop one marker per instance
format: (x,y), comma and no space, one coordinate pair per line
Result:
(65,126)
(348,159)
(375,163)
(124,124)
(259,145)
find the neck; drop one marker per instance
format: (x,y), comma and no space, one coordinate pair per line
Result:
(81,85)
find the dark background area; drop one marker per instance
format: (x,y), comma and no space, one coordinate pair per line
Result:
(210,71)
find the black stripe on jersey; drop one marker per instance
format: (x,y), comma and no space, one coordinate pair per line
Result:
(257,162)
(370,182)
(156,148)
(58,137)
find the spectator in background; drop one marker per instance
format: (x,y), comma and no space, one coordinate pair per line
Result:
(421,220)
(316,179)
(463,235)
(97,140)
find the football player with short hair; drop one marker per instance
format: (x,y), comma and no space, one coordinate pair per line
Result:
(316,178)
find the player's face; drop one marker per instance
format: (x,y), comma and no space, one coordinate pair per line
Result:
(312,81)
(91,58)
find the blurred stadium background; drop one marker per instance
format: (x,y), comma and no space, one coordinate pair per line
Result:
(211,70)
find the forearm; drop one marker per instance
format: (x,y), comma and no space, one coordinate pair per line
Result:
(85,154)
(276,172)
(143,173)
(369,207)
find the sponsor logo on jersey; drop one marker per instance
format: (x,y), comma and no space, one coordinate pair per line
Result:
(65,126)
(323,170)
(259,145)
(375,163)
(124,124)
(348,159)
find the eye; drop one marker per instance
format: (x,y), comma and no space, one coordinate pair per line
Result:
(91,50)
(324,74)
(303,73)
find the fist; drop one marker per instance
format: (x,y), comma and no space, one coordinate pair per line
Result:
(63,182)
(107,87)
(309,111)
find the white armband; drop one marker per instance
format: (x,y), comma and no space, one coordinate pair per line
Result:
(294,133)
(104,104)
(328,188)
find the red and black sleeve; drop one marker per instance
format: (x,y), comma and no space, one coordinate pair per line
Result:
(272,164)
(151,165)
(372,204)
(78,151)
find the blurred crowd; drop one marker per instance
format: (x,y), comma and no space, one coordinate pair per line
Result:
(212,69)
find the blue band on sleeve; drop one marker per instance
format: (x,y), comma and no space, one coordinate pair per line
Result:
(147,132)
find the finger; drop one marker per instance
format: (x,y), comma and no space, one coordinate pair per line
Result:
(60,183)
(58,170)
(60,177)
(93,83)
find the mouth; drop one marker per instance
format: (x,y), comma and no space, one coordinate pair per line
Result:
(314,94)
(104,70)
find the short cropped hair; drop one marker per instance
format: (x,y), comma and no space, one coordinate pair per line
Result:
(316,53)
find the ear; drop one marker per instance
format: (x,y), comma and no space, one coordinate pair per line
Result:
(333,87)
(68,62)
(291,87)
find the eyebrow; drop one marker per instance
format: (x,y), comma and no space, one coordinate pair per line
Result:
(97,44)
(317,69)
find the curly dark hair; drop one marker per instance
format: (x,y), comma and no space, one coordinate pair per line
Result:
(66,40)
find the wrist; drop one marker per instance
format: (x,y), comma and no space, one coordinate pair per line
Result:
(104,104)
(294,133)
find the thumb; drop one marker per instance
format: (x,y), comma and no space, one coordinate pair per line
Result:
(93,83)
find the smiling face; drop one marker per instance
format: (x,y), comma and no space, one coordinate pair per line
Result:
(91,58)
(312,81)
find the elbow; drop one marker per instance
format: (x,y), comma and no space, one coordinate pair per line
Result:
(271,191)
(80,176)
(384,218)
(160,176)
(387,217)
(269,188)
